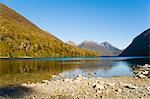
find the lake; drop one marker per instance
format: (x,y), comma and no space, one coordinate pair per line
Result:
(19,70)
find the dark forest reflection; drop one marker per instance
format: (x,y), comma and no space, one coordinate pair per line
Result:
(19,71)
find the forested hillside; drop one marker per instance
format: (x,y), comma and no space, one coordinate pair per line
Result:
(21,38)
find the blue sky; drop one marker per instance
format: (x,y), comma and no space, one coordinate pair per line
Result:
(114,21)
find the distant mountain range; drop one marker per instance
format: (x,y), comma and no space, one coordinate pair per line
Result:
(71,43)
(103,49)
(140,45)
(21,38)
(115,51)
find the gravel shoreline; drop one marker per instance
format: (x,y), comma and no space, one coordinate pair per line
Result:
(80,87)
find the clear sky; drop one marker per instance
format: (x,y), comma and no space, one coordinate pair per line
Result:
(114,21)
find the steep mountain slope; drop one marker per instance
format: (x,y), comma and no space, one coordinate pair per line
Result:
(140,45)
(21,38)
(71,43)
(110,47)
(102,50)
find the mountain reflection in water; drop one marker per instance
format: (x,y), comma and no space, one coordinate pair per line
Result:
(17,71)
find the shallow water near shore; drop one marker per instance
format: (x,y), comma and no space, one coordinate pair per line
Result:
(19,70)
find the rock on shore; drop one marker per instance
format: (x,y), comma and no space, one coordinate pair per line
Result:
(88,88)
(142,71)
(91,88)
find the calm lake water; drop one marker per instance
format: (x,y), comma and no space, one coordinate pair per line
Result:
(16,71)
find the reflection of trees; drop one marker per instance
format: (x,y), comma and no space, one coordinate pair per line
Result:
(30,66)
(14,71)
(18,71)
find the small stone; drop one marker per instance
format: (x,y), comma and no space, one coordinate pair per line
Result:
(145,72)
(146,65)
(135,77)
(61,75)
(33,97)
(45,81)
(107,91)
(54,76)
(28,82)
(24,84)
(119,90)
(67,79)
(80,77)
(142,76)
(131,87)
(98,87)
(148,87)
(111,84)
(98,91)
(148,75)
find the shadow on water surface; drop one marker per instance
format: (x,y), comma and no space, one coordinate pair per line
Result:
(138,61)
(14,91)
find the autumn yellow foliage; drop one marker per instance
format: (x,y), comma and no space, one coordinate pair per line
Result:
(21,38)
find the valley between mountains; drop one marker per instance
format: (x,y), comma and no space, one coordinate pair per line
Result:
(35,64)
(21,38)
